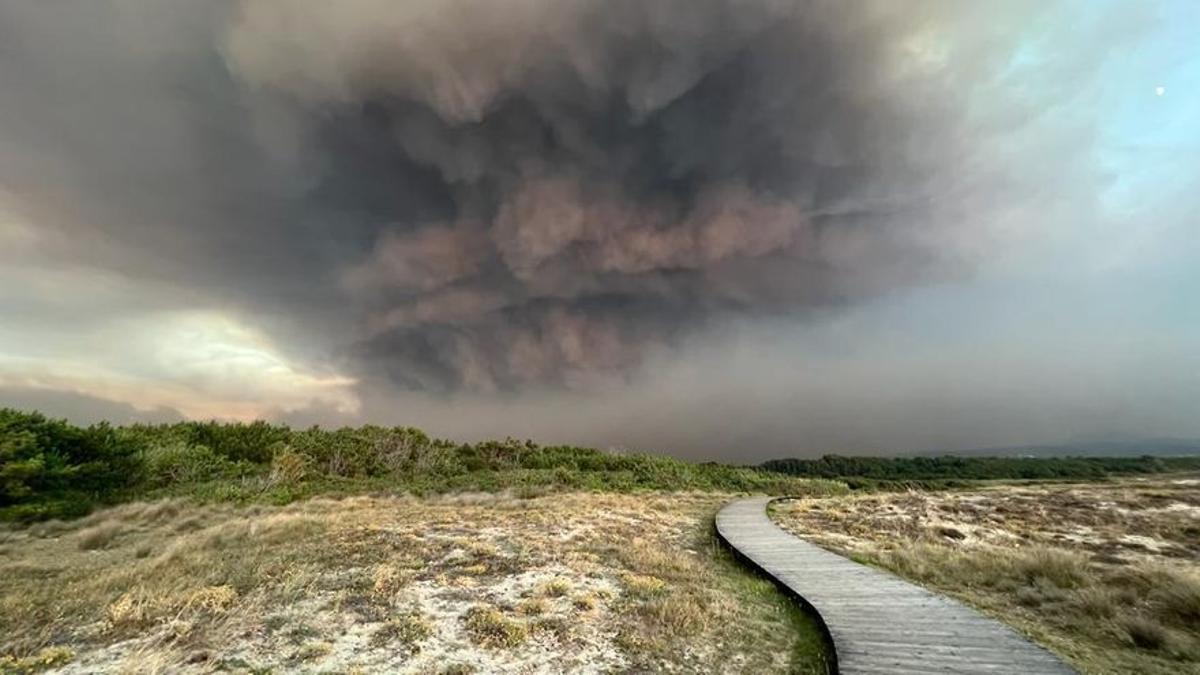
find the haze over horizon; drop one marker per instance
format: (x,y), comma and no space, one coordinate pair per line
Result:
(722,229)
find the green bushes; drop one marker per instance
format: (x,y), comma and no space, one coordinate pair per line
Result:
(950,471)
(372,451)
(234,442)
(165,465)
(290,467)
(49,468)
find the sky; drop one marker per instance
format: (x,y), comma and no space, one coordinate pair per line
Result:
(718,229)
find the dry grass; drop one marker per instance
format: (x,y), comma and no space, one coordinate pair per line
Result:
(98,536)
(561,583)
(585,602)
(47,658)
(489,627)
(533,607)
(642,585)
(555,588)
(289,467)
(1105,575)
(1179,595)
(407,631)
(387,580)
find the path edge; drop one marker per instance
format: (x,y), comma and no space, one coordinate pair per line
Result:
(826,634)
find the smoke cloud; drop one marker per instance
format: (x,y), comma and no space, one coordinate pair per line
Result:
(600,178)
(471,195)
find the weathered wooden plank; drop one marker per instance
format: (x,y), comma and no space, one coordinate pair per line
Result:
(878,622)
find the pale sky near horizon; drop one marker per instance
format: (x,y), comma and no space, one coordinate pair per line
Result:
(734,232)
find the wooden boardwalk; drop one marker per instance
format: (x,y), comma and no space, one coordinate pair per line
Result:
(880,623)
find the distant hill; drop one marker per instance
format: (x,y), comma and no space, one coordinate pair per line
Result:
(1157,447)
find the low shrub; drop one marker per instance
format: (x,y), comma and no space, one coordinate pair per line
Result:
(1179,594)
(50,657)
(289,466)
(1060,568)
(533,607)
(98,536)
(51,469)
(407,631)
(179,463)
(554,588)
(490,628)
(642,585)
(1144,633)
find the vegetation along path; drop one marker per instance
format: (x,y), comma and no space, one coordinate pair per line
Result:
(878,622)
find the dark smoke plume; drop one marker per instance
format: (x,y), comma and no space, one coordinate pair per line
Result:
(499,195)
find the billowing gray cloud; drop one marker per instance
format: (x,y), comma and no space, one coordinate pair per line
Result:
(503,199)
(488,195)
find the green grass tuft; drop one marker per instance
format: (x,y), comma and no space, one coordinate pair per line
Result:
(489,627)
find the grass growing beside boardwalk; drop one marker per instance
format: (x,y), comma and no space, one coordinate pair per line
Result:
(1105,575)
(1137,619)
(811,653)
(397,584)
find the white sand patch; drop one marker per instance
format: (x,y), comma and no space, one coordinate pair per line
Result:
(1190,510)
(1149,543)
(1174,508)
(391,583)
(588,649)
(321,635)
(100,660)
(1080,534)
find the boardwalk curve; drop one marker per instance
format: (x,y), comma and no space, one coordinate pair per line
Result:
(879,623)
